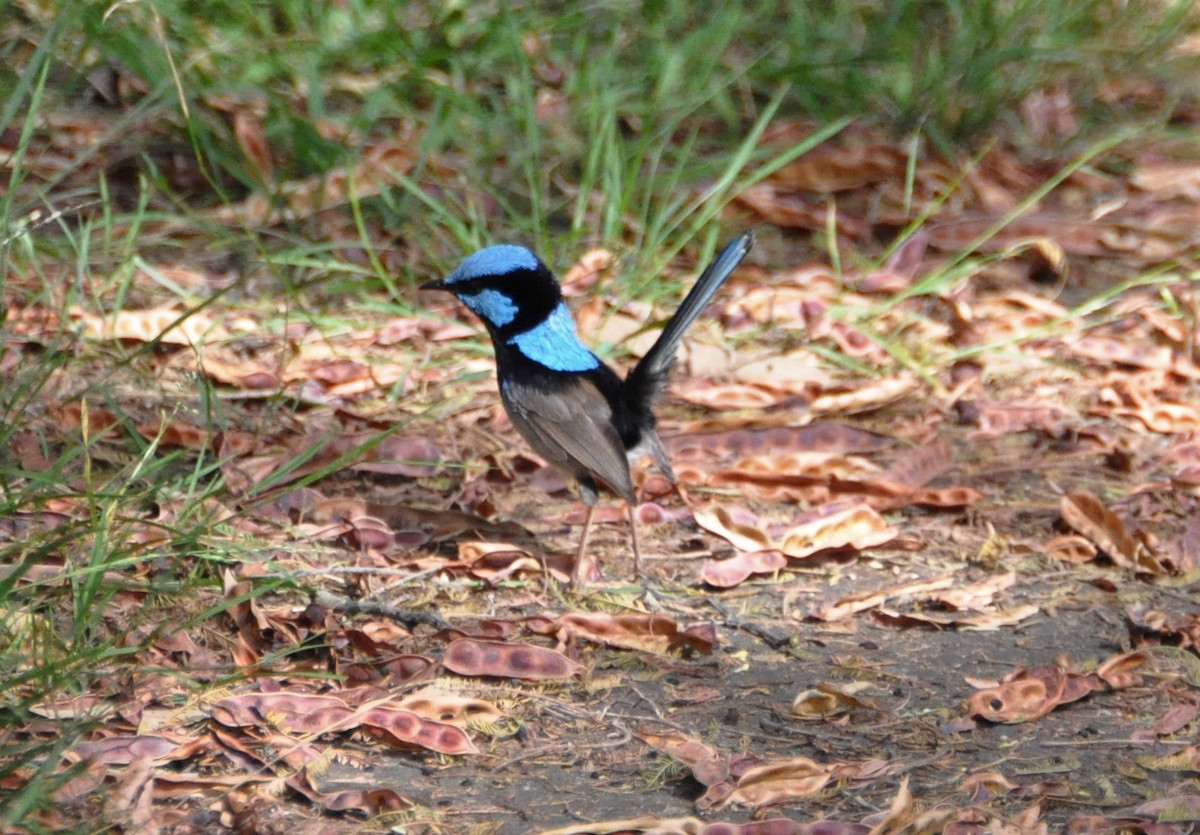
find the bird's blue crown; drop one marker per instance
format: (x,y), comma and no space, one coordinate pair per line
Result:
(500,259)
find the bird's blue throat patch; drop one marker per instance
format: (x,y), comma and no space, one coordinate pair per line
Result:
(554,343)
(494,260)
(492,305)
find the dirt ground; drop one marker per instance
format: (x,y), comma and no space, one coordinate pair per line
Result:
(580,755)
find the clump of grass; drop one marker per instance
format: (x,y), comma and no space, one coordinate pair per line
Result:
(956,70)
(563,123)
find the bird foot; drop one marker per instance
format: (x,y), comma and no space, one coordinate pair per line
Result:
(587,571)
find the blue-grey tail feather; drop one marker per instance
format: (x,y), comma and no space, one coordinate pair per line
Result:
(649,377)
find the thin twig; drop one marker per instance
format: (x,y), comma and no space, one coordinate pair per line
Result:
(773,638)
(376,571)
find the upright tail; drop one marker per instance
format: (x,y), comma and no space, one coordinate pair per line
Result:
(649,377)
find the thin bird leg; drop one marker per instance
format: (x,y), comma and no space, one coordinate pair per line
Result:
(582,561)
(682,493)
(637,551)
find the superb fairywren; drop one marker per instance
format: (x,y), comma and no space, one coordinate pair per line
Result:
(572,408)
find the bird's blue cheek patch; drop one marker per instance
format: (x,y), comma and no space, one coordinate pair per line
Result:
(554,343)
(497,308)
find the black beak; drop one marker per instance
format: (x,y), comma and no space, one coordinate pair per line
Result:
(433,285)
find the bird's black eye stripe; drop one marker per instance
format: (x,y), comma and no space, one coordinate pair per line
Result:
(515,279)
(470,286)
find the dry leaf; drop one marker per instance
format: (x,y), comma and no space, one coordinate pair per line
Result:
(828,700)
(836,525)
(653,633)
(724,574)
(469,657)
(735,525)
(779,782)
(1031,694)
(1088,516)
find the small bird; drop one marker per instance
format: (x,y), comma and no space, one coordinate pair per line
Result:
(574,410)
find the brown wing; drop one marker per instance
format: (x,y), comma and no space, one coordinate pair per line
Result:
(571,426)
